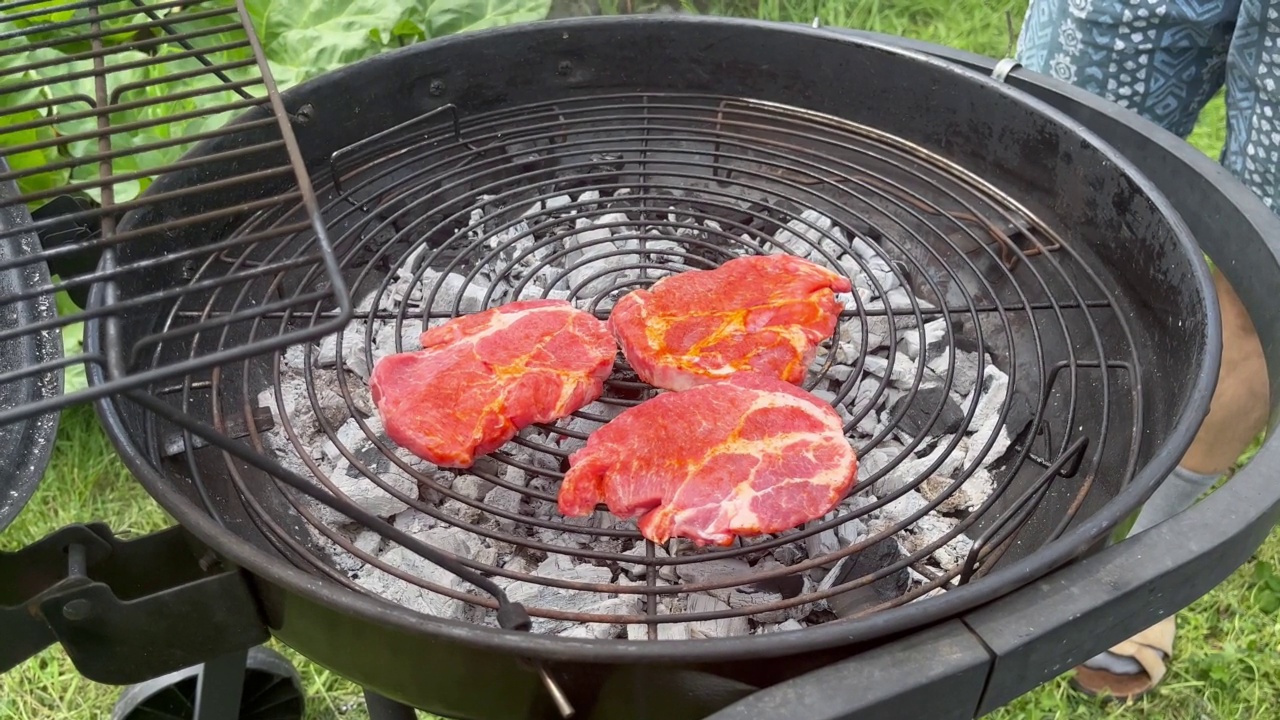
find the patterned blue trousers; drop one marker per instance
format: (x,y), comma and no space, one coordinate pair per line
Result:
(1165,59)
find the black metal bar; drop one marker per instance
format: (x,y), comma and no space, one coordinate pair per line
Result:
(937,674)
(92,6)
(115,49)
(136,149)
(385,139)
(381,708)
(176,36)
(220,687)
(176,605)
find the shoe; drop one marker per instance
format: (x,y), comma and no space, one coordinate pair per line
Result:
(1151,649)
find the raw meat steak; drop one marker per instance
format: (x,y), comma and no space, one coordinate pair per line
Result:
(481,378)
(744,456)
(765,313)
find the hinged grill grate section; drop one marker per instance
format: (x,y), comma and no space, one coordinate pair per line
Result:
(97,101)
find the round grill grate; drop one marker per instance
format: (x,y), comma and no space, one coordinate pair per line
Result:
(977,349)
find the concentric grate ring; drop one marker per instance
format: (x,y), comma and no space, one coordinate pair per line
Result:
(970,365)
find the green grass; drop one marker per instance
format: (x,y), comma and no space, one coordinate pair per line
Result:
(1228,654)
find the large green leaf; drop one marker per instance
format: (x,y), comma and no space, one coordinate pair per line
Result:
(446,17)
(304,38)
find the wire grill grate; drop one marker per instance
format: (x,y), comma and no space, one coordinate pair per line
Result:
(97,101)
(441,204)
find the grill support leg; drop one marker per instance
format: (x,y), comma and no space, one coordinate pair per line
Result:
(220,686)
(381,708)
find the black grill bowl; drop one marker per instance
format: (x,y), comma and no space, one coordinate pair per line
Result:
(1119,249)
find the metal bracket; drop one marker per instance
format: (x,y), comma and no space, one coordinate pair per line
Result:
(1003,68)
(125,611)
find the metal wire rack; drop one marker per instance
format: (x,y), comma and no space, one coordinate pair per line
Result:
(449,214)
(97,100)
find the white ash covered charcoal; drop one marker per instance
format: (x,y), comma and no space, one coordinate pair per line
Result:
(875,558)
(342,559)
(557,202)
(565,537)
(413,521)
(929,339)
(353,358)
(621,606)
(965,368)
(912,469)
(471,486)
(666,631)
(446,539)
(811,235)
(351,480)
(788,626)
(788,554)
(639,570)
(505,500)
(384,340)
(902,372)
(452,289)
(731,626)
(965,497)
(986,419)
(824,543)
(353,484)
(743,590)
(519,250)
(594,247)
(876,460)
(539,595)
(927,530)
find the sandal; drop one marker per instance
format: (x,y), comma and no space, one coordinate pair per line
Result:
(1150,648)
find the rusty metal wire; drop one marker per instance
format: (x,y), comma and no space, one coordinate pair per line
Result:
(438,203)
(99,99)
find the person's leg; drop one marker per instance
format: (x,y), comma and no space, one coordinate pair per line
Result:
(1252,150)
(1165,61)
(1162,60)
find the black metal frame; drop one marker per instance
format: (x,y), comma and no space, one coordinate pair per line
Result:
(961,668)
(114,56)
(124,610)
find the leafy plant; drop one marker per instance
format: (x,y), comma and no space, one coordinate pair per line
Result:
(1268,588)
(301,39)
(48,110)
(304,38)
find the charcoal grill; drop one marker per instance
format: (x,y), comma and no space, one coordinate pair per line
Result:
(442,187)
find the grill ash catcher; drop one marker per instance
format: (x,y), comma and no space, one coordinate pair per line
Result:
(1030,346)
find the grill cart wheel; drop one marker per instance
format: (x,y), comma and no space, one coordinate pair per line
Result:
(270,690)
